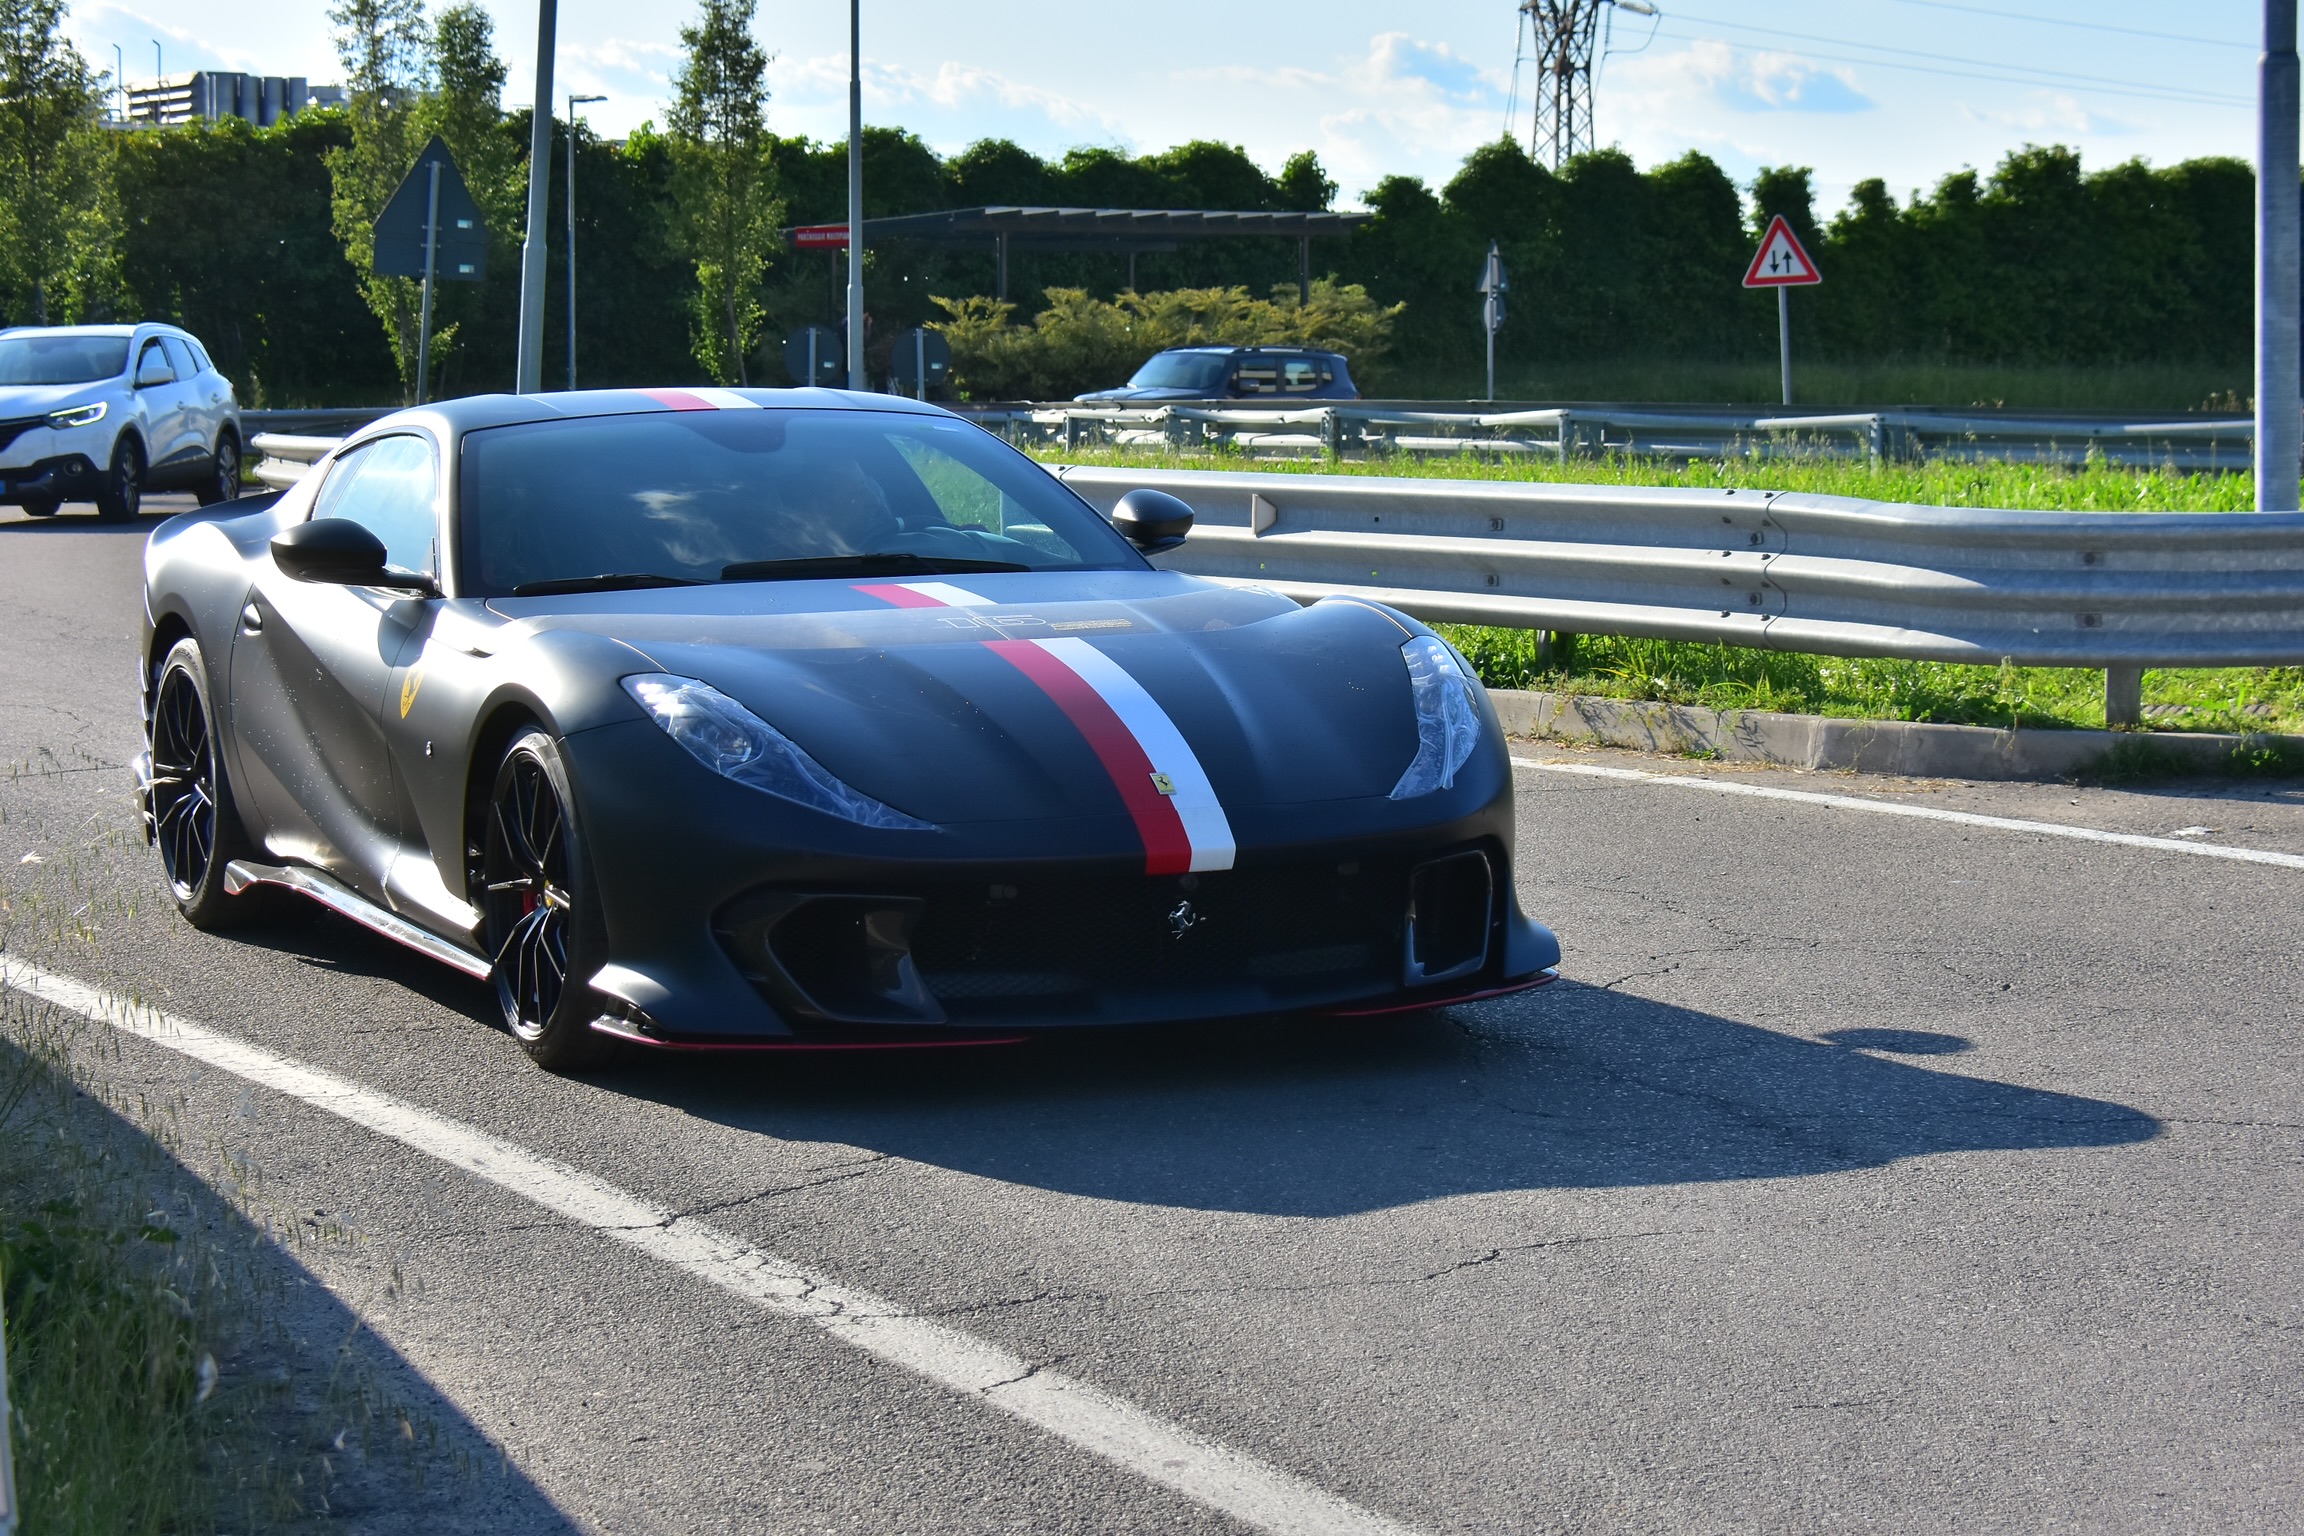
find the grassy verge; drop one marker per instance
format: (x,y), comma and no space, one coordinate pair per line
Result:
(2175,388)
(2236,699)
(157,1381)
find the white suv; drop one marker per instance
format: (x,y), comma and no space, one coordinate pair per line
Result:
(104,413)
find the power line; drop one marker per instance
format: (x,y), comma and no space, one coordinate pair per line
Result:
(2169,92)
(2149,93)
(2085,26)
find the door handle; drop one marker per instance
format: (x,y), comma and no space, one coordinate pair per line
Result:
(251,620)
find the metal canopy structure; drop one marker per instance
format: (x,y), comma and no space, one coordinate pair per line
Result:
(1127,231)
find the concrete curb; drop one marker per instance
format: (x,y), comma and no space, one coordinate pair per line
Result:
(1862,746)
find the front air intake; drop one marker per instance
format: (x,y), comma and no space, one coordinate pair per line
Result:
(1451,907)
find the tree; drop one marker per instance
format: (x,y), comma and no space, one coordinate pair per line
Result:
(723,192)
(384,48)
(465,107)
(51,204)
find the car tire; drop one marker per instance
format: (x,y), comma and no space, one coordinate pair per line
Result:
(40,506)
(540,917)
(121,496)
(222,482)
(195,822)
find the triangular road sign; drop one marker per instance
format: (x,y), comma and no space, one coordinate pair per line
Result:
(1781,263)
(461,255)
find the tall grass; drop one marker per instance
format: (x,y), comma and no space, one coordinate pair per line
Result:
(2170,387)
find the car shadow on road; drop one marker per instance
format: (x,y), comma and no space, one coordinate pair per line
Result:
(1569,1087)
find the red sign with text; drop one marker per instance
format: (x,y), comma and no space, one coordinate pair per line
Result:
(820,237)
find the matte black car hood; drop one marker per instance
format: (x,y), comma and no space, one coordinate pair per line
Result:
(920,708)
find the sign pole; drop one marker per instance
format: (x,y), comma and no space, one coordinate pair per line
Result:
(919,363)
(431,260)
(1784,337)
(2279,265)
(856,194)
(528,379)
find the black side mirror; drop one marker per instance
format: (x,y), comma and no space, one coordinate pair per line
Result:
(340,553)
(1152,520)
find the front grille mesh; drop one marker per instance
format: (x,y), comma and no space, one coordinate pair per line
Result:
(1314,928)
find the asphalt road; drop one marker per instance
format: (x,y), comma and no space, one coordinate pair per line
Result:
(1863,1172)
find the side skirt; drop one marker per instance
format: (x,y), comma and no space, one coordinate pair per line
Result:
(241,874)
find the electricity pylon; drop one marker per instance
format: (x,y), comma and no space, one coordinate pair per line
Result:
(1563,35)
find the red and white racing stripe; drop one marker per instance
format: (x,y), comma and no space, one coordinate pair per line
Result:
(701,399)
(1159,778)
(924,594)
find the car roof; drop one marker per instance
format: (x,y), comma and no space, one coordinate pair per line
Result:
(92,330)
(1228,349)
(468,413)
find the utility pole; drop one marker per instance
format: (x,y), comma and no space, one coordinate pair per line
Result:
(528,378)
(574,101)
(1564,35)
(856,194)
(2279,264)
(431,264)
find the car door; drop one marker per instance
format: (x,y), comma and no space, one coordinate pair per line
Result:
(310,666)
(159,403)
(194,432)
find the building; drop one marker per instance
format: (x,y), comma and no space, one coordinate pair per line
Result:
(207,95)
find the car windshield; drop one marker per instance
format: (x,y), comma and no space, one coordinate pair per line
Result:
(53,359)
(1203,371)
(674,497)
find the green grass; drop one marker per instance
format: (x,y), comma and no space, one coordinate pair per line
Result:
(2175,388)
(1731,677)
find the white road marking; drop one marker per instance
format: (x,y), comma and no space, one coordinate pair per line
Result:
(1920,812)
(1199,1468)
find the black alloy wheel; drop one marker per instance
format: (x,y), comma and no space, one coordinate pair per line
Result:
(183,784)
(41,506)
(223,480)
(537,907)
(121,496)
(195,824)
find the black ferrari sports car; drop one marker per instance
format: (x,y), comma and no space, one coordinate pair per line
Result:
(717,718)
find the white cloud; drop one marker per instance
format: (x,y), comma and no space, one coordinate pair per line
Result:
(975,101)
(2047,114)
(1737,79)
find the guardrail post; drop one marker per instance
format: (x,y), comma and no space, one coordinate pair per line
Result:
(1072,425)
(2123,696)
(1331,434)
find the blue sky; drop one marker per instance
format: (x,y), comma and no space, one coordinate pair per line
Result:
(1903,89)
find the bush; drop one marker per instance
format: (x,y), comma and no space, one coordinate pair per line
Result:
(1080,343)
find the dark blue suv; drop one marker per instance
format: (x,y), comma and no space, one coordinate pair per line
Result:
(1237,373)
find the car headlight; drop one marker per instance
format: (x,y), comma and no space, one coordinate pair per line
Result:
(1447,716)
(78,415)
(734,742)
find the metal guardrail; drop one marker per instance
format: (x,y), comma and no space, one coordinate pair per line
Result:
(1782,571)
(286,457)
(1824,574)
(1369,428)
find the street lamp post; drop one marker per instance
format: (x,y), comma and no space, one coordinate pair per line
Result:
(2279,264)
(574,101)
(528,376)
(855,194)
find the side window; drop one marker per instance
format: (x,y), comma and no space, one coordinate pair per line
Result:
(1302,375)
(1258,374)
(180,358)
(388,487)
(152,353)
(200,355)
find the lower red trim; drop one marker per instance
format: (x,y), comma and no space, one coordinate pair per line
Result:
(1167,848)
(679,400)
(1443,1002)
(634,1037)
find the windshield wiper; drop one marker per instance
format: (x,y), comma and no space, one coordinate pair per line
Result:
(893,563)
(606,581)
